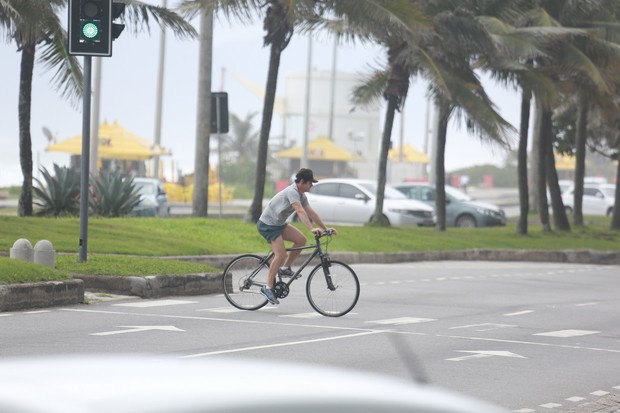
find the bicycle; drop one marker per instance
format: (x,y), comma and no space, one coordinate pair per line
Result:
(332,287)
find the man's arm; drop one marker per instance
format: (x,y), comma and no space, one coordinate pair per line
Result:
(307,213)
(312,215)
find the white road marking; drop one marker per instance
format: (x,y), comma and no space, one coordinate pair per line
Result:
(567,333)
(37,312)
(484,326)
(221,310)
(599,393)
(585,304)
(485,354)
(519,313)
(575,399)
(137,329)
(617,387)
(290,343)
(6,315)
(524,411)
(550,405)
(155,303)
(302,315)
(403,321)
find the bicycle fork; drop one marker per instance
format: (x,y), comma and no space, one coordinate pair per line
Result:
(325,263)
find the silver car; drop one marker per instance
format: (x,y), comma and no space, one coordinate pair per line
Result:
(153,198)
(352,201)
(461,210)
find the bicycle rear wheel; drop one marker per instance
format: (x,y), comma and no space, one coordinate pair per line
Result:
(343,294)
(242,280)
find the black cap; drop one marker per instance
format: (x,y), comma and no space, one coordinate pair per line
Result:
(305,175)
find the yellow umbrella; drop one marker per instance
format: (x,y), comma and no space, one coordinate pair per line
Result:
(115,142)
(322,149)
(409,155)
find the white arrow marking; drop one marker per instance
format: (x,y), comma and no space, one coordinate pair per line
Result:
(484,354)
(137,329)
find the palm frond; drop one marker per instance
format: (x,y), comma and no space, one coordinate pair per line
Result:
(138,17)
(369,91)
(68,77)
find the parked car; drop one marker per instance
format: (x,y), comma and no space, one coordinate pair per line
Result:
(153,198)
(147,384)
(461,210)
(352,201)
(597,199)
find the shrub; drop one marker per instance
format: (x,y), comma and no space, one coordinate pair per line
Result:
(60,195)
(112,195)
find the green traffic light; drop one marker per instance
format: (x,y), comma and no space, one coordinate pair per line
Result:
(90,30)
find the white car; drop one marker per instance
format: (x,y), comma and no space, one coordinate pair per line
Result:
(139,384)
(352,201)
(597,199)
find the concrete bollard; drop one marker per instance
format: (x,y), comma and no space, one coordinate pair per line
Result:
(22,250)
(44,254)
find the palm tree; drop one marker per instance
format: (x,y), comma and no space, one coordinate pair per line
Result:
(280,20)
(35,22)
(281,17)
(241,144)
(367,21)
(461,39)
(454,85)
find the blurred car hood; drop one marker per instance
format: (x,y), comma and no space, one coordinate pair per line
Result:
(140,384)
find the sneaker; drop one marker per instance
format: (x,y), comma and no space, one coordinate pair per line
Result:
(269,295)
(285,272)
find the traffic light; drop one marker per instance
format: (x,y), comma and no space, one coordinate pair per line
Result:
(91,27)
(116,28)
(219,125)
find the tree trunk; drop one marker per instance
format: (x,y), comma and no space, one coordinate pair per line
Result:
(543,137)
(203,122)
(440,167)
(580,160)
(263,144)
(524,205)
(559,212)
(24,207)
(378,217)
(535,158)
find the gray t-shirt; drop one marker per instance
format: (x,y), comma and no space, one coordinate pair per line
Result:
(281,205)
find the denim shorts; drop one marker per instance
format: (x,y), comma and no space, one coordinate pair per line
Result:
(270,232)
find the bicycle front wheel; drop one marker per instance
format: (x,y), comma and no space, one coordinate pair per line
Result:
(333,291)
(242,280)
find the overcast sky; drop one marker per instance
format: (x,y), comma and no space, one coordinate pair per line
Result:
(129,94)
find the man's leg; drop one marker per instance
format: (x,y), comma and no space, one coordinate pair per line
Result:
(277,245)
(298,239)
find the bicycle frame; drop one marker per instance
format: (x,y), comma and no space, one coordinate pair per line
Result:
(318,251)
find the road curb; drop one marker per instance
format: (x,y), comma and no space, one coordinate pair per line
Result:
(48,294)
(154,286)
(42,294)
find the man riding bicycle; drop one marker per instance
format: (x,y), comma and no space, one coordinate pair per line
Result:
(273,227)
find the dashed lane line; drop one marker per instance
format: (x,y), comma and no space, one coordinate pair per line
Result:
(286,344)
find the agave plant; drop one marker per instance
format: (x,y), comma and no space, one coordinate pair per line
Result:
(112,195)
(58,194)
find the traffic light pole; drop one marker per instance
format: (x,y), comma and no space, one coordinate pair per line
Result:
(84,192)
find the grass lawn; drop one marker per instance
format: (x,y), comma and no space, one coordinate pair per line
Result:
(136,242)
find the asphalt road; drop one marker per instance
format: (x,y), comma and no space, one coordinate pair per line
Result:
(532,337)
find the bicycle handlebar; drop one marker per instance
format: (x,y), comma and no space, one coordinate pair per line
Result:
(324,234)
